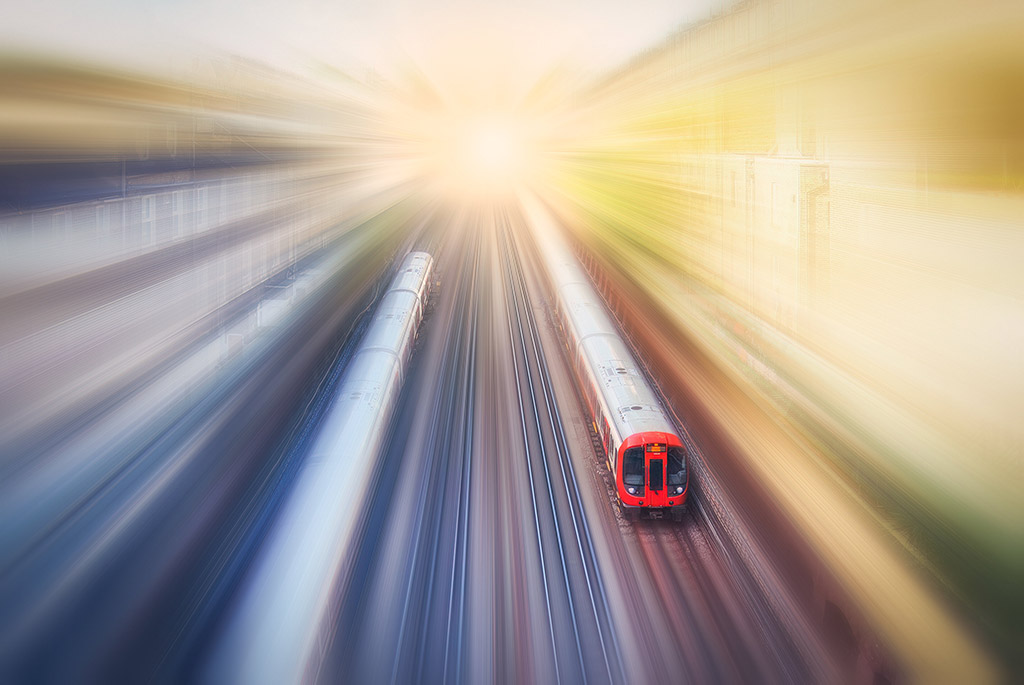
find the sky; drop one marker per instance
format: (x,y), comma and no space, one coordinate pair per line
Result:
(458,42)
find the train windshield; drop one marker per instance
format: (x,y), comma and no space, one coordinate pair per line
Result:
(676,466)
(633,466)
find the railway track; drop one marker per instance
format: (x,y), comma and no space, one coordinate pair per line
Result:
(547,456)
(489,547)
(731,567)
(702,593)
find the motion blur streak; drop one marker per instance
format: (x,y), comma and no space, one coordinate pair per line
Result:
(490,551)
(825,200)
(275,634)
(162,317)
(803,216)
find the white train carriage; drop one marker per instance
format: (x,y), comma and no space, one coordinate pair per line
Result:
(640,444)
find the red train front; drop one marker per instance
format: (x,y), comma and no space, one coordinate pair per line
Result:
(652,471)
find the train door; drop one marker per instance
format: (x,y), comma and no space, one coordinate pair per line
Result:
(657,496)
(606,442)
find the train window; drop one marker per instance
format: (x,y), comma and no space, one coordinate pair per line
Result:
(633,466)
(676,466)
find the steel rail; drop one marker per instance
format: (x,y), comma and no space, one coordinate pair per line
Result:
(533,497)
(586,543)
(460,563)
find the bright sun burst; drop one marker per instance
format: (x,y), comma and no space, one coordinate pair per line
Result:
(491,148)
(483,155)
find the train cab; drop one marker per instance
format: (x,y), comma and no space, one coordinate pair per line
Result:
(652,471)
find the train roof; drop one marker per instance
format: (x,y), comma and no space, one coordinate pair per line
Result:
(633,405)
(391,323)
(414,273)
(586,310)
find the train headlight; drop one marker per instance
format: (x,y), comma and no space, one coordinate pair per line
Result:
(679,490)
(631,490)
